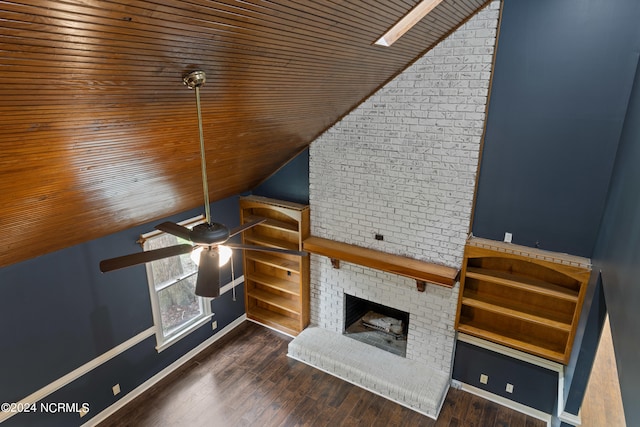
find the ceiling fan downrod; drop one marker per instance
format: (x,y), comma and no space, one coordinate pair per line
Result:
(208,237)
(194,80)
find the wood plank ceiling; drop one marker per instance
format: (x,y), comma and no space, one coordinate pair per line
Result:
(98,133)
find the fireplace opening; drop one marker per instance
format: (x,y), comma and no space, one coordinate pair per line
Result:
(376,324)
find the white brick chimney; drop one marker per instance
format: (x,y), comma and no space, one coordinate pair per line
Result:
(403,165)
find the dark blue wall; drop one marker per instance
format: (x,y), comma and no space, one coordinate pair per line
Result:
(290,183)
(592,318)
(560,161)
(59,312)
(561,83)
(533,385)
(617,255)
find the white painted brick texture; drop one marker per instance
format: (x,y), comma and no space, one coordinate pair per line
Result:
(403,164)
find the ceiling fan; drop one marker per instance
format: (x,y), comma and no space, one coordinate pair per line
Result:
(208,237)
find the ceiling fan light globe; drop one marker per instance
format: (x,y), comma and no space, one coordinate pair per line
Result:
(195,255)
(224,255)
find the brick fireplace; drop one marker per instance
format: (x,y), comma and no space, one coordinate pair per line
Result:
(397,175)
(402,165)
(375,324)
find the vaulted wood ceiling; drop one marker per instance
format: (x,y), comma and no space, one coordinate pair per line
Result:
(98,133)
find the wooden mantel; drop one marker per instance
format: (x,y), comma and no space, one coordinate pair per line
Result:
(419,270)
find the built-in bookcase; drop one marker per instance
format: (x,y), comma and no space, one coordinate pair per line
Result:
(523,298)
(276,285)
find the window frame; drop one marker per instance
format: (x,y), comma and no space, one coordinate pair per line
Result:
(164,341)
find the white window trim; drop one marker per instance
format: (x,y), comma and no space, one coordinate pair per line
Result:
(163,342)
(172,339)
(201,320)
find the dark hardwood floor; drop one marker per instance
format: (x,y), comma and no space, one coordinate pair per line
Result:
(246,379)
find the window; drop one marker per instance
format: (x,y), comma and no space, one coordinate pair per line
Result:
(176,309)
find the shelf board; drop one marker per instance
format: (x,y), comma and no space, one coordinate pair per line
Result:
(275,320)
(287,304)
(518,313)
(519,343)
(528,284)
(262,202)
(273,261)
(409,267)
(270,242)
(539,255)
(281,285)
(273,223)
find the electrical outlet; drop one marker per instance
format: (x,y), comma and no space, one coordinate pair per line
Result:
(509,388)
(507,237)
(484,378)
(116,389)
(214,325)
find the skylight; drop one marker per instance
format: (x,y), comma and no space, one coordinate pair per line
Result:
(407,22)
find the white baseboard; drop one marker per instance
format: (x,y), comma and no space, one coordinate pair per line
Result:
(129,397)
(270,327)
(572,419)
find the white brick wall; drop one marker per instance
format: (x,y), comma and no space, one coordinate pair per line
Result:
(403,164)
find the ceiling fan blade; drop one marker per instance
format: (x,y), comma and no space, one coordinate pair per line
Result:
(245,226)
(142,257)
(175,229)
(208,281)
(265,249)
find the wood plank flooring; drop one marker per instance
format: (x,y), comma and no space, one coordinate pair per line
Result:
(602,404)
(246,379)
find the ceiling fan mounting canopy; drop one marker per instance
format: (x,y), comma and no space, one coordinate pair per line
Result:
(195,79)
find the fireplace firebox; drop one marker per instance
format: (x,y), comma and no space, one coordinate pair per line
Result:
(376,324)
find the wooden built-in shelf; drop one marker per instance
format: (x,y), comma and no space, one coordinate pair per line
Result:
(515,341)
(275,300)
(273,261)
(273,223)
(409,267)
(276,284)
(270,318)
(271,242)
(528,284)
(519,311)
(520,297)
